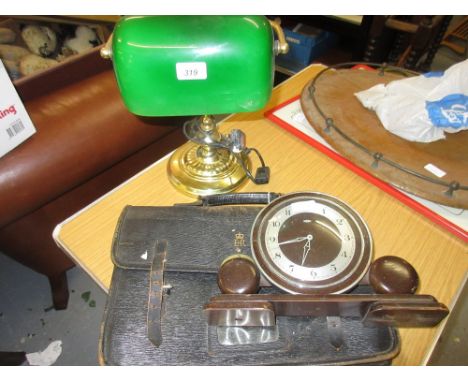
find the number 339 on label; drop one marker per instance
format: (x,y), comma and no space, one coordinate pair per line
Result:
(191,71)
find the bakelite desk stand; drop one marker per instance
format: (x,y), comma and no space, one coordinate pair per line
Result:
(440,258)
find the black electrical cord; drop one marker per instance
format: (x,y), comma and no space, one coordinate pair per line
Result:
(194,133)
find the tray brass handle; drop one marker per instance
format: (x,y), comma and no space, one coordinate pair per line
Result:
(281,45)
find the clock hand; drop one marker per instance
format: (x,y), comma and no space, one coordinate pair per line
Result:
(306,248)
(296,240)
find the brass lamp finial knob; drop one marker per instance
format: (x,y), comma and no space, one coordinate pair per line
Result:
(106,50)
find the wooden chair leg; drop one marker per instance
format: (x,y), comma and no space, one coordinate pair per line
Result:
(59,287)
(8,358)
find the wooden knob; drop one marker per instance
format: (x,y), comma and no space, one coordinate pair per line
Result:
(238,274)
(392,274)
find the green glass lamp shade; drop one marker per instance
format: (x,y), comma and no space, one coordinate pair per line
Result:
(193,65)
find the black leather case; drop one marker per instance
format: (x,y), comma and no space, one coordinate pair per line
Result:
(198,239)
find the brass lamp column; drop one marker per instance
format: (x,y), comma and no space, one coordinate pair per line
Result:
(206,169)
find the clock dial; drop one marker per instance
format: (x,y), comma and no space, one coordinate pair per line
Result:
(311,243)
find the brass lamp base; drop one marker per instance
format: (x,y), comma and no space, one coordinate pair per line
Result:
(200,169)
(193,174)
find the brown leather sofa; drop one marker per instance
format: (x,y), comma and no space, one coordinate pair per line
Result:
(86,144)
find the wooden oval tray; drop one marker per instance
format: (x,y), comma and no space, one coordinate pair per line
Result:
(331,107)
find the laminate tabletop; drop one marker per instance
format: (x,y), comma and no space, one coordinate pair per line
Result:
(440,257)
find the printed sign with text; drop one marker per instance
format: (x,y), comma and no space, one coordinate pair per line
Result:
(15,124)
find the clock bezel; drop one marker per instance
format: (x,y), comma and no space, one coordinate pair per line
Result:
(343,281)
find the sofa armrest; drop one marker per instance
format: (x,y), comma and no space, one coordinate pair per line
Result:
(83,128)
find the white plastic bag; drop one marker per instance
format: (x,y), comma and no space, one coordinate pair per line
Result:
(424,107)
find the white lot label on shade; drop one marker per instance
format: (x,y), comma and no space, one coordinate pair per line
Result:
(191,71)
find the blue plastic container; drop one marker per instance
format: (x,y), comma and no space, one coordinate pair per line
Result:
(305,45)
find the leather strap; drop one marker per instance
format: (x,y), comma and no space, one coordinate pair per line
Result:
(238,198)
(155,296)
